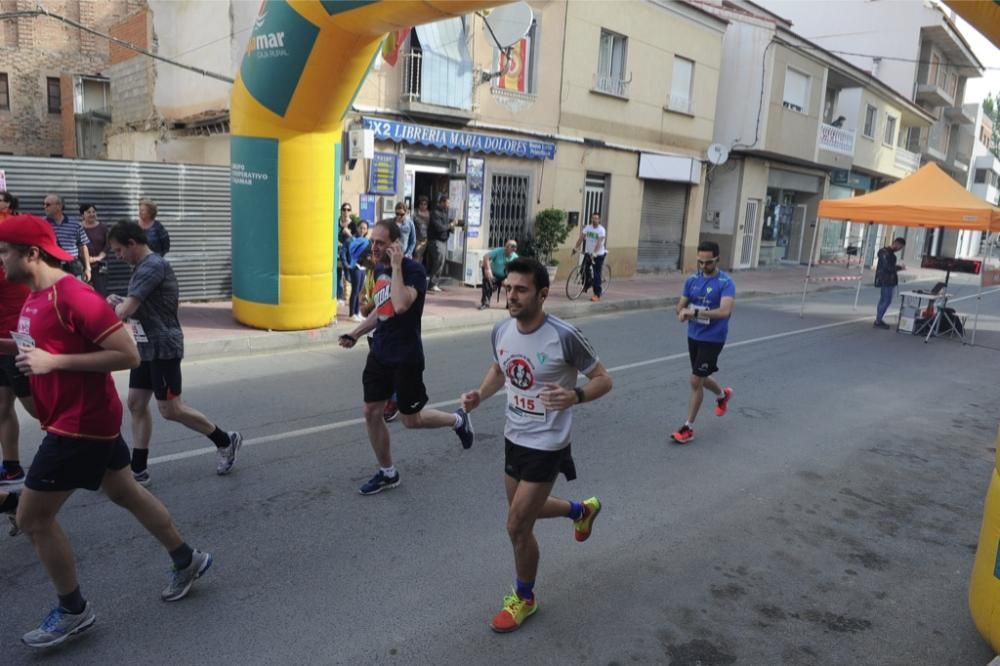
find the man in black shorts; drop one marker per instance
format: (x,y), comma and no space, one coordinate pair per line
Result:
(706,305)
(68,341)
(396,359)
(538,357)
(150,310)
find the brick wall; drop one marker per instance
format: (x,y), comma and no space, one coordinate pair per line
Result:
(134,30)
(32,49)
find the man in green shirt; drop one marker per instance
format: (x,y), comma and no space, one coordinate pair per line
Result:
(495,269)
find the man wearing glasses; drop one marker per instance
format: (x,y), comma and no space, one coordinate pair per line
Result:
(70,236)
(706,305)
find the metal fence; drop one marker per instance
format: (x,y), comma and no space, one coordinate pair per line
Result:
(193,204)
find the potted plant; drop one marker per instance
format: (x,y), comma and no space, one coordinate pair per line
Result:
(549,233)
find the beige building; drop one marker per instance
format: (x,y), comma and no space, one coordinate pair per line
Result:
(599,113)
(822,128)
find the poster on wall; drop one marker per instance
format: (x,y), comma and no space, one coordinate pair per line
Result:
(366,207)
(456,199)
(382,174)
(3,180)
(475,172)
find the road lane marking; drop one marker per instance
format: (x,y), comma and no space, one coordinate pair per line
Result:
(338,425)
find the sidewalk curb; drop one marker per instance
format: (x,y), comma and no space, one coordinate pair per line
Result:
(260,342)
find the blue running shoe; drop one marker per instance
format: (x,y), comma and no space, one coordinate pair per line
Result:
(378,483)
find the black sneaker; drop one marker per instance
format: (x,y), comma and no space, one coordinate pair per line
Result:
(378,483)
(882,325)
(465,431)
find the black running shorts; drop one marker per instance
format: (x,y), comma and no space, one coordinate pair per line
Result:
(537,466)
(406,380)
(68,463)
(13,378)
(161,376)
(704,357)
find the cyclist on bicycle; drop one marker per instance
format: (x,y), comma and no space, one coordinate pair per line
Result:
(594,238)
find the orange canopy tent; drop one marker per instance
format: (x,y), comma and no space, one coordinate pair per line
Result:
(926,198)
(983,15)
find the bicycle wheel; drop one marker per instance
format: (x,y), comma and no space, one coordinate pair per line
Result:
(605,277)
(574,284)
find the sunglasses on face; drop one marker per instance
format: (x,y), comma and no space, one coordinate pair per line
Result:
(345,210)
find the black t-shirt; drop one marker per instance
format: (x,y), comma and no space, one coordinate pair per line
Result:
(397,337)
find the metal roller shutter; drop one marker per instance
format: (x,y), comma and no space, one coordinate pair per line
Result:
(661,229)
(193,204)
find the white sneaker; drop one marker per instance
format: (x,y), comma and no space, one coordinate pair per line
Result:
(357,318)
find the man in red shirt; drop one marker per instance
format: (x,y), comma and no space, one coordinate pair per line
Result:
(12,384)
(68,341)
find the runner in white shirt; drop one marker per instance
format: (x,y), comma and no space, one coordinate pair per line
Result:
(537,357)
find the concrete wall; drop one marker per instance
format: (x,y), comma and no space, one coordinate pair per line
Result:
(790,132)
(745,48)
(189,32)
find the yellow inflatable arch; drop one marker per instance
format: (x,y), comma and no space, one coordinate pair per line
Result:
(984,588)
(304,64)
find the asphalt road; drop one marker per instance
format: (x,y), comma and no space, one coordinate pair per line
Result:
(830,518)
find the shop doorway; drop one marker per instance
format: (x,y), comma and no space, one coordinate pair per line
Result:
(427,179)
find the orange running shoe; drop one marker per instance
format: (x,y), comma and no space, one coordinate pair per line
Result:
(722,404)
(684,435)
(513,614)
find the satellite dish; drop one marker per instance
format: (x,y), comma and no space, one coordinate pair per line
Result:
(509,24)
(717,154)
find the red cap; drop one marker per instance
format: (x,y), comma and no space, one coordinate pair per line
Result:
(32,231)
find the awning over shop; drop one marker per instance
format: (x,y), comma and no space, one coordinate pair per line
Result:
(927,198)
(445,138)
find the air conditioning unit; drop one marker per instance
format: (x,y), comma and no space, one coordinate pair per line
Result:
(472,274)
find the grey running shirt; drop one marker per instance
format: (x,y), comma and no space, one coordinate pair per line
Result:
(552,354)
(154,283)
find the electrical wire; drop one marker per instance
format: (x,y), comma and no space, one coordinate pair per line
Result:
(120,42)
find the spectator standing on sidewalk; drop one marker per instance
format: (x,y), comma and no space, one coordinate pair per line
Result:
(98,248)
(156,233)
(407,231)
(887,277)
(355,250)
(421,220)
(70,236)
(437,242)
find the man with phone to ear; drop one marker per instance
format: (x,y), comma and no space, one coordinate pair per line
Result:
(396,359)
(706,305)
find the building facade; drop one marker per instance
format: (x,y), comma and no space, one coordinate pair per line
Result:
(54,90)
(822,128)
(916,49)
(597,114)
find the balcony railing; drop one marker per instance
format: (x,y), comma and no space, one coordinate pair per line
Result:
(836,139)
(410,89)
(906,160)
(611,85)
